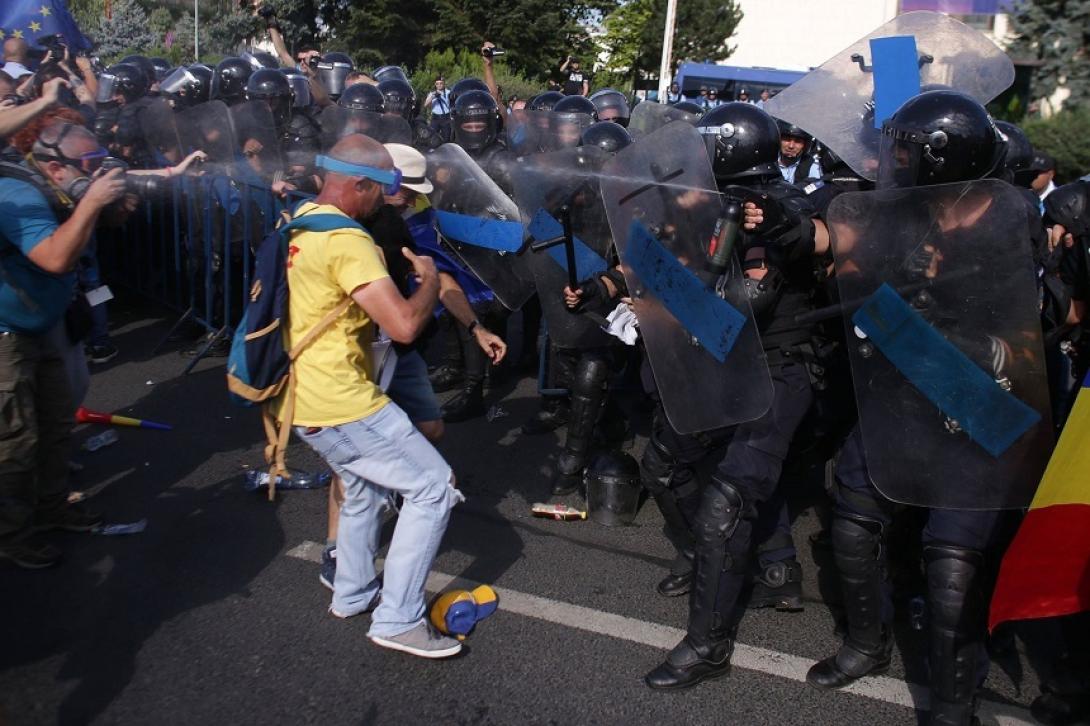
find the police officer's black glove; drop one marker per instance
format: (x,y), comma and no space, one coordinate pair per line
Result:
(592,295)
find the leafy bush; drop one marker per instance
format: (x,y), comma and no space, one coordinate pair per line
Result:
(1066,136)
(455,66)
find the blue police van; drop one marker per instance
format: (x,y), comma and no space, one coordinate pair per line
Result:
(728,81)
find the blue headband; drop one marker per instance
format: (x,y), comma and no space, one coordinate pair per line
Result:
(389,178)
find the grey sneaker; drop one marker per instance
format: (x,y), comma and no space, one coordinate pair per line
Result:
(421,641)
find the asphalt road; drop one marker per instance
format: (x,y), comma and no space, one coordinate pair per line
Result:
(214,614)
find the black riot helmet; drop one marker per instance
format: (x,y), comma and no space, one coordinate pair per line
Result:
(608,136)
(1018,159)
(544,101)
(613,488)
(362,97)
(229,80)
(938,137)
(186,87)
(122,78)
(162,68)
(742,141)
(390,73)
(398,97)
(273,88)
(333,70)
(300,88)
(611,106)
(264,58)
(465,86)
(1069,206)
(145,65)
(568,119)
(794,131)
(689,107)
(476,120)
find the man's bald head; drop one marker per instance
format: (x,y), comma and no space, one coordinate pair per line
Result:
(15,49)
(362,150)
(356,196)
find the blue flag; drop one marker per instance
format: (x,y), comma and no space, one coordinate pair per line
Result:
(31,19)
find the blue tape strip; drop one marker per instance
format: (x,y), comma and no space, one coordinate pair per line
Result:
(992,417)
(493,234)
(896,67)
(710,319)
(587,261)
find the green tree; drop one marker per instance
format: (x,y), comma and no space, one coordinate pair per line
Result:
(455,66)
(633,34)
(379,32)
(125,30)
(1066,136)
(1057,34)
(536,34)
(160,21)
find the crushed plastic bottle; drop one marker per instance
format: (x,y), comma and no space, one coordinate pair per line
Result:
(256,479)
(560,512)
(101,441)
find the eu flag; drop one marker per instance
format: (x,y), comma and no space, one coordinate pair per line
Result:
(31,19)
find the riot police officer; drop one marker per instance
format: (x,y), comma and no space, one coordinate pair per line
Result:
(720,521)
(938,137)
(611,106)
(229,80)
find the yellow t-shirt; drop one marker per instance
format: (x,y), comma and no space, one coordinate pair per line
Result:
(334,374)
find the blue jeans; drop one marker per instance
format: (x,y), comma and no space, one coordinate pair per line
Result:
(375,456)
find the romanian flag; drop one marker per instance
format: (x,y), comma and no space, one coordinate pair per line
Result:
(1046,571)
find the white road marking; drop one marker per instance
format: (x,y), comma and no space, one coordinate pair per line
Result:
(664,637)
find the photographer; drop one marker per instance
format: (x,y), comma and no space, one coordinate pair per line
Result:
(306,60)
(48,208)
(576,82)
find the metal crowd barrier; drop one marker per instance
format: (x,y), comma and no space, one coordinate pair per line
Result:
(190,248)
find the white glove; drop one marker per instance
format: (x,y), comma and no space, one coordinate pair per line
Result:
(623,324)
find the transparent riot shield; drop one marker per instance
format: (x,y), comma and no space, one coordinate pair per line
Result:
(570,239)
(480,223)
(208,127)
(940,305)
(697,327)
(258,140)
(834,102)
(648,117)
(157,123)
(527,132)
(339,122)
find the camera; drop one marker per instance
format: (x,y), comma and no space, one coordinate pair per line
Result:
(55,44)
(492,52)
(142,186)
(266,12)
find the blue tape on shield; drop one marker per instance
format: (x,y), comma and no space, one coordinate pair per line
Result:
(896,68)
(707,317)
(992,417)
(493,234)
(587,262)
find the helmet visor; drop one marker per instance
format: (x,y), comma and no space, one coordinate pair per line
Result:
(300,91)
(108,87)
(178,82)
(901,156)
(332,76)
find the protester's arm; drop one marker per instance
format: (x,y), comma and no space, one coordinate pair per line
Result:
(59,252)
(13,118)
(403,319)
(454,299)
(87,72)
(564,65)
(489,74)
(281,47)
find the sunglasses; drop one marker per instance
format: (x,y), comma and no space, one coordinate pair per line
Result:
(390,179)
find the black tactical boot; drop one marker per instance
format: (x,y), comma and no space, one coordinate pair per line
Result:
(722,537)
(446,378)
(587,396)
(466,405)
(680,579)
(867,648)
(569,475)
(690,663)
(778,585)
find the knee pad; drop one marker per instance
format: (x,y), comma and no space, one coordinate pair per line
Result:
(590,377)
(719,515)
(656,467)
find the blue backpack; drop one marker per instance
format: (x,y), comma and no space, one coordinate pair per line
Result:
(259,367)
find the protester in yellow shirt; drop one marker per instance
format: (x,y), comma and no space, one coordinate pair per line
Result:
(343,415)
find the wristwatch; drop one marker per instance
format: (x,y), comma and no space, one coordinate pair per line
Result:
(473,326)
